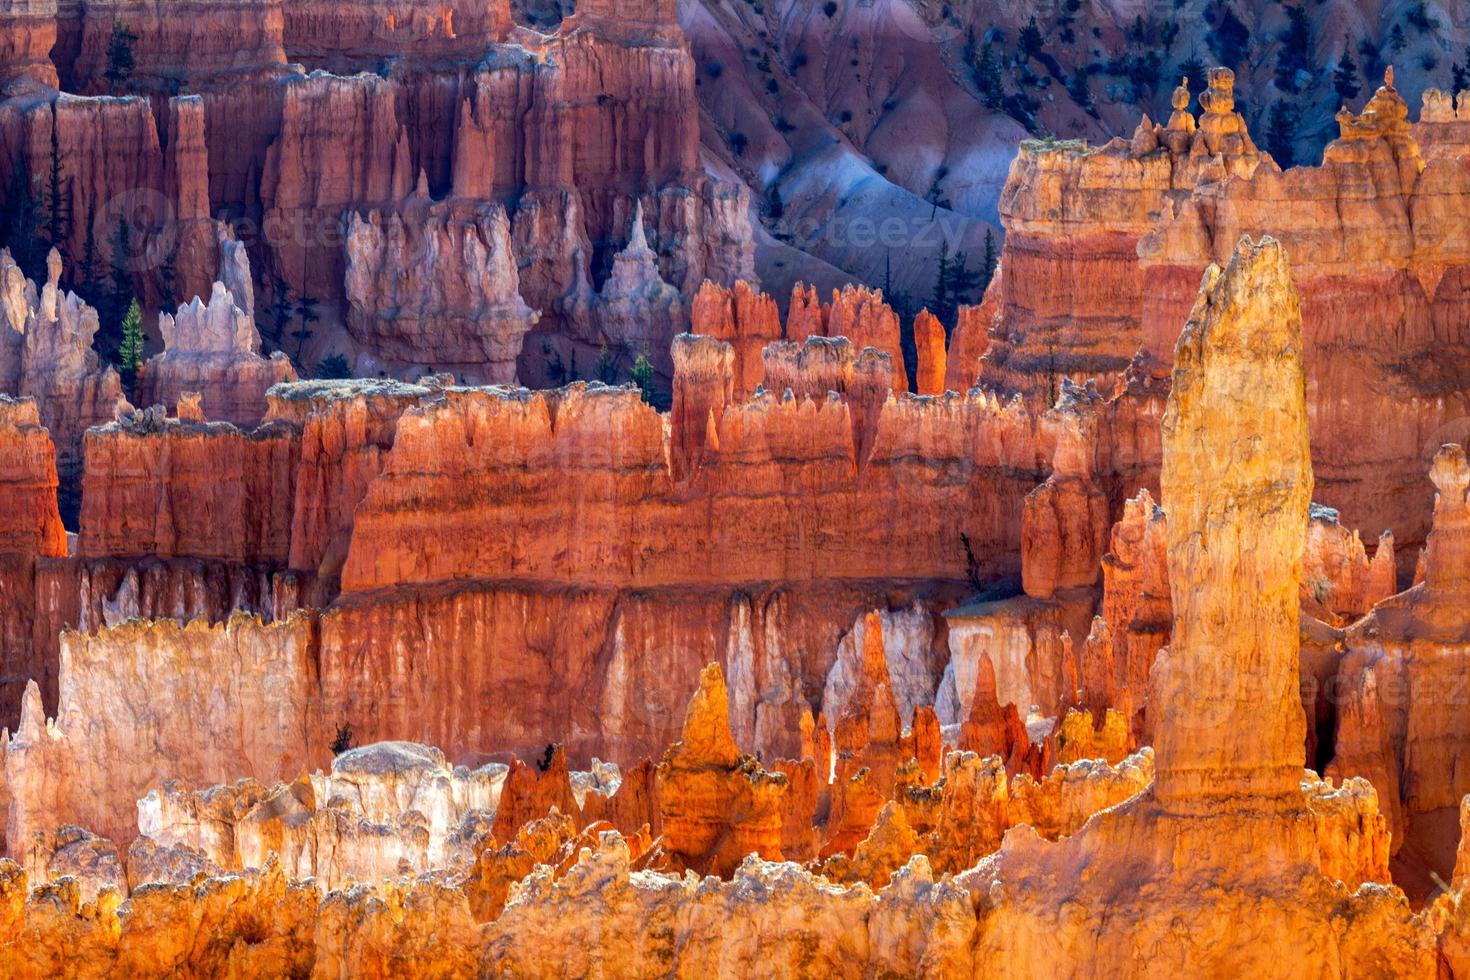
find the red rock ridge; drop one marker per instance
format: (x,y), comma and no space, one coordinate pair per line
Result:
(160,486)
(627,526)
(30,528)
(27,35)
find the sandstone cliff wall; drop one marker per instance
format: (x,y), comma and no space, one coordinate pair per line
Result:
(610,514)
(239,700)
(30,529)
(1122,232)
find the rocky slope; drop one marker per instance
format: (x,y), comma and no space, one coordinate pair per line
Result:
(871,132)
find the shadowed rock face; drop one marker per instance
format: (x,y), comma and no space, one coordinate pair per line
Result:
(429,289)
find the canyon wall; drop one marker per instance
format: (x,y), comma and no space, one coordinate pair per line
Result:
(240,702)
(361,498)
(1126,229)
(30,530)
(564,134)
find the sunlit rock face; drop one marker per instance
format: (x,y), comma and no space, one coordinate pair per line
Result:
(145,702)
(1237,484)
(380,811)
(1105,246)
(1234,573)
(715,806)
(1400,716)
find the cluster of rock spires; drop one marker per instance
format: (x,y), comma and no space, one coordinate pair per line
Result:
(780,607)
(430,186)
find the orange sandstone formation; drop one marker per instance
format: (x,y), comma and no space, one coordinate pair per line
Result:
(970,339)
(1064,525)
(30,529)
(716,806)
(746,319)
(1119,235)
(1237,482)
(1242,345)
(929,341)
(1399,718)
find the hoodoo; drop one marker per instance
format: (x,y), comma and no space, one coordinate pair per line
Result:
(1237,481)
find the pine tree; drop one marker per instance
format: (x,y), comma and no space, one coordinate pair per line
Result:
(1294,54)
(992,259)
(120,62)
(1281,129)
(987,78)
(168,275)
(1077,87)
(1194,70)
(961,287)
(344,740)
(21,232)
(280,311)
(58,202)
(1230,39)
(955,283)
(643,377)
(114,301)
(605,370)
(1031,40)
(305,316)
(91,275)
(1460,74)
(942,299)
(333,366)
(130,350)
(1345,77)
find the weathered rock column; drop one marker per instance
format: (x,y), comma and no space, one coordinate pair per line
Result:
(1237,483)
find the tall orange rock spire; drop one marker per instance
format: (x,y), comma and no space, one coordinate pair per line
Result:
(1237,486)
(717,806)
